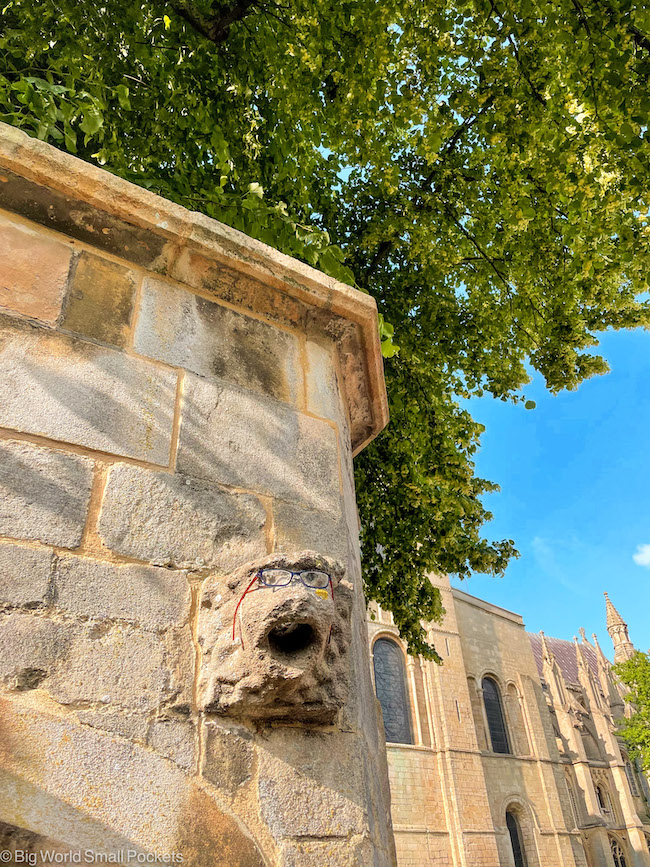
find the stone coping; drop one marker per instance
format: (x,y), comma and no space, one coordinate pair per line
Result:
(90,204)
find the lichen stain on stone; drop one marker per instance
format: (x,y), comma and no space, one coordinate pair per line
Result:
(100,300)
(248,353)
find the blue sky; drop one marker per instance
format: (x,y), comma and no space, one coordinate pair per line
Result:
(575,497)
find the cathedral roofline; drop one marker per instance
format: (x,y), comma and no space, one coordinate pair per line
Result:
(565,655)
(487,606)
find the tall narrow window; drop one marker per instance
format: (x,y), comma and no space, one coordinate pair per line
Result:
(573,803)
(390,684)
(617,853)
(631,778)
(516,840)
(495,718)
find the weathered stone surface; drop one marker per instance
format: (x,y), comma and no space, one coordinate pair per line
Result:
(118,795)
(243,440)
(180,666)
(188,331)
(233,286)
(154,598)
(30,646)
(80,663)
(44,494)
(174,739)
(173,519)
(312,797)
(341,852)
(322,388)
(79,219)
(128,725)
(303,758)
(80,393)
(229,758)
(122,667)
(298,529)
(33,271)
(24,574)
(100,300)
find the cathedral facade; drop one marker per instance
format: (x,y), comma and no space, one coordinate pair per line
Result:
(507,755)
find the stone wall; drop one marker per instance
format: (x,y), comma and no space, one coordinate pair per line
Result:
(179,407)
(450,798)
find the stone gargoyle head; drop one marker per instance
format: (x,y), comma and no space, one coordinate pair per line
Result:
(274,646)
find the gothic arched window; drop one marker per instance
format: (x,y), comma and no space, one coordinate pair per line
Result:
(631,778)
(495,718)
(573,803)
(604,799)
(390,685)
(617,853)
(516,839)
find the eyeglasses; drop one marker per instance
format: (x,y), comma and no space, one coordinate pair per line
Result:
(275,578)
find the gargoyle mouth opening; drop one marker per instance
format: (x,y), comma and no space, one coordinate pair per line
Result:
(292,638)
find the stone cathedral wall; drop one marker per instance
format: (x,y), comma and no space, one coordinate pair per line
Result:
(179,407)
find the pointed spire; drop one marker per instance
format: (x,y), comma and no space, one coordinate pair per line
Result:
(547,653)
(582,664)
(599,651)
(617,628)
(613,617)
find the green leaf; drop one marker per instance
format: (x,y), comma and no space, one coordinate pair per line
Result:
(122,93)
(92,122)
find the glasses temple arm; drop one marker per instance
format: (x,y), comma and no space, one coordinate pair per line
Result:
(241,599)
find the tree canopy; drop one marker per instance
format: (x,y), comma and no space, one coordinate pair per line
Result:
(481,168)
(635,674)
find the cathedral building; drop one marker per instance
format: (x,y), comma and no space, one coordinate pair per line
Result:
(507,755)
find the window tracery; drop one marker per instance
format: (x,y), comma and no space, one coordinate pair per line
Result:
(390,686)
(495,717)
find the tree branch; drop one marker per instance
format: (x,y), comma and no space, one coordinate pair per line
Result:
(216,28)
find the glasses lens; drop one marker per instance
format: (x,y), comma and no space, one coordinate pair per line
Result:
(276,577)
(315,579)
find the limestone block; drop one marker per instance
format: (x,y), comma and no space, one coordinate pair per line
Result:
(322,388)
(188,331)
(29,648)
(173,739)
(44,494)
(237,288)
(229,759)
(24,574)
(154,598)
(82,663)
(80,393)
(33,272)
(334,853)
(132,725)
(303,529)
(180,665)
(42,203)
(232,436)
(303,793)
(99,792)
(100,300)
(120,667)
(173,519)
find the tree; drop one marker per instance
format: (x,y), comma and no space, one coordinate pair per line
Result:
(635,674)
(480,167)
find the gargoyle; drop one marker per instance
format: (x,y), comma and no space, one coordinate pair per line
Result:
(274,639)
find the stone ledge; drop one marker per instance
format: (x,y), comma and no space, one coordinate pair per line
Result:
(133,223)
